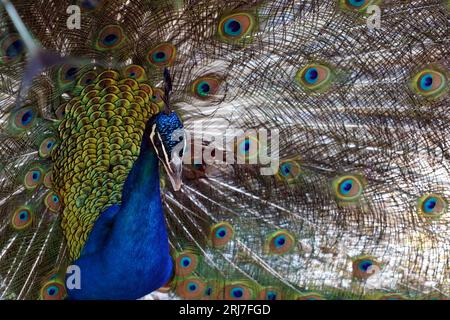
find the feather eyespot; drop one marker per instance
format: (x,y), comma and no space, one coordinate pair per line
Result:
(247,149)
(220,234)
(357,5)
(279,242)
(22,218)
(135,72)
(235,27)
(238,291)
(23,119)
(432,206)
(12,48)
(34,177)
(314,77)
(270,293)
(110,37)
(365,266)
(46,147)
(185,263)
(162,55)
(67,74)
(53,290)
(289,170)
(348,188)
(430,83)
(52,202)
(205,87)
(190,288)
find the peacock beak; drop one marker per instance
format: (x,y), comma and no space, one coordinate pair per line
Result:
(175,172)
(173,163)
(174,166)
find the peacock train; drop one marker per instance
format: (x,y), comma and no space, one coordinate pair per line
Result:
(334,182)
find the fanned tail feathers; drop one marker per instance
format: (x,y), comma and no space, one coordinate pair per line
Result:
(357,207)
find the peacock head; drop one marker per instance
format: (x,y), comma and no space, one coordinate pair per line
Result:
(169,141)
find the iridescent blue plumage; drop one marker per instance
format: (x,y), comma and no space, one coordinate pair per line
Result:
(168,126)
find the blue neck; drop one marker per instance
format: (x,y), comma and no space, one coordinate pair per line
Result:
(127,253)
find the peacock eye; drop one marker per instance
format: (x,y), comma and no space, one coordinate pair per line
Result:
(247,148)
(238,291)
(279,242)
(67,76)
(70,73)
(220,234)
(162,55)
(52,202)
(429,83)
(348,188)
(11,48)
(270,293)
(236,26)
(206,87)
(46,147)
(432,206)
(289,170)
(33,177)
(22,218)
(23,119)
(185,263)
(314,77)
(190,288)
(364,267)
(53,290)
(135,72)
(110,37)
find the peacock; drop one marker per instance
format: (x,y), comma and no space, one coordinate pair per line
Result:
(333,183)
